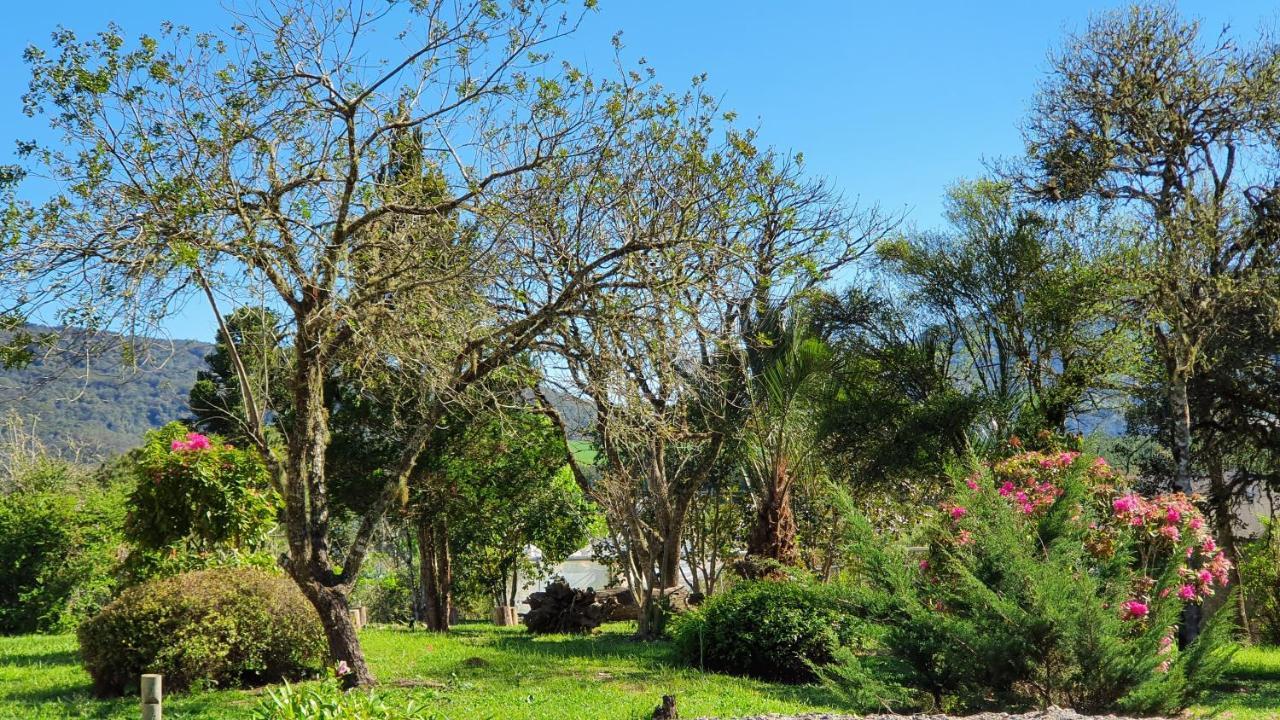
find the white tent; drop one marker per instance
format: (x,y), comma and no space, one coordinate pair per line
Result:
(580,570)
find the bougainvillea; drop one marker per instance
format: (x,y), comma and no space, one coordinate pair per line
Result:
(200,492)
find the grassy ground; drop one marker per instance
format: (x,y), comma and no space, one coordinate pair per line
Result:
(1252,692)
(475,672)
(502,673)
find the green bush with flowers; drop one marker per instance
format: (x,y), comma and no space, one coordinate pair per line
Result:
(198,494)
(1043,580)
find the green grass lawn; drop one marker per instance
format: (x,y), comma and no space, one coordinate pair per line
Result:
(1252,691)
(477,671)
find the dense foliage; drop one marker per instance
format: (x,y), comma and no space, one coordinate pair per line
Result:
(1042,582)
(770,629)
(198,492)
(60,543)
(1260,577)
(213,628)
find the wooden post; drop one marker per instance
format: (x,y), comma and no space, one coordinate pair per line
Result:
(355,617)
(152,697)
(364,616)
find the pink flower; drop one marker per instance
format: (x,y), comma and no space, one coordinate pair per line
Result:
(1208,545)
(1173,516)
(964,537)
(1163,667)
(1125,504)
(1006,489)
(194,441)
(1187,592)
(1171,533)
(1196,523)
(924,564)
(1205,577)
(342,668)
(973,484)
(958,512)
(1133,609)
(1021,497)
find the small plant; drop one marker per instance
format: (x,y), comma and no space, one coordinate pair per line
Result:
(212,628)
(769,629)
(327,700)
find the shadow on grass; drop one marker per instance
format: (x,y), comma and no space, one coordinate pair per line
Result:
(649,658)
(55,657)
(652,655)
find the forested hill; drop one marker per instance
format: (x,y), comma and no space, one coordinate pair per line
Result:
(97,404)
(97,409)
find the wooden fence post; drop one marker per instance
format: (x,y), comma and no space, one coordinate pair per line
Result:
(152,697)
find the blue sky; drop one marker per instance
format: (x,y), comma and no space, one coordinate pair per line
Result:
(891,100)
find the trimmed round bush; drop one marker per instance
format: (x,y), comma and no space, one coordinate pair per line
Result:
(769,629)
(220,628)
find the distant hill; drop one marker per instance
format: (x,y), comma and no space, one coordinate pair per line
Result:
(95,404)
(98,404)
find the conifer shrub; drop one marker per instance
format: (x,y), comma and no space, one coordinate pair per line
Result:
(769,629)
(1043,581)
(211,628)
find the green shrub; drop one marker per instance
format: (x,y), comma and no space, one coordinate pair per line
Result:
(774,630)
(1042,583)
(1260,575)
(59,548)
(199,493)
(211,628)
(389,598)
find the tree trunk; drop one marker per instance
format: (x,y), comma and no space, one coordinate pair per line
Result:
(340,633)
(1220,504)
(1180,414)
(774,535)
(436,571)
(307,517)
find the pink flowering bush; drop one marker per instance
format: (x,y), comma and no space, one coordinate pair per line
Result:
(1042,580)
(198,494)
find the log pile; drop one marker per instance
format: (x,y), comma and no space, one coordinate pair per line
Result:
(563,609)
(620,602)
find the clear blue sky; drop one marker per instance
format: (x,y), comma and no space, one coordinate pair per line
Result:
(892,100)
